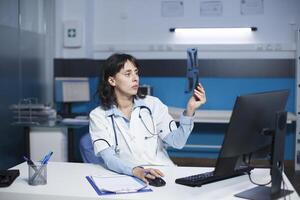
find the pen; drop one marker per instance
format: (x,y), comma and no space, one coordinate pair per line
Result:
(46,158)
(124,191)
(30,162)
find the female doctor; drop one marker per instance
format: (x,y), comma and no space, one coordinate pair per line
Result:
(130,131)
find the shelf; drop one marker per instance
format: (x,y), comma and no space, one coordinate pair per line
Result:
(214,116)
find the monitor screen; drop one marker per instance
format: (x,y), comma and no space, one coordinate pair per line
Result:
(255,128)
(69,89)
(252,115)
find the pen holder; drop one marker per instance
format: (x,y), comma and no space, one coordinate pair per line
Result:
(37,174)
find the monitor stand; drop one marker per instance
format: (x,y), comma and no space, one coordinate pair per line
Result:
(277,158)
(262,193)
(66,111)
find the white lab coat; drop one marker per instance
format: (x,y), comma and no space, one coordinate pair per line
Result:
(136,144)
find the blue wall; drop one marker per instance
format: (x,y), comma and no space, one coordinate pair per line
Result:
(221,94)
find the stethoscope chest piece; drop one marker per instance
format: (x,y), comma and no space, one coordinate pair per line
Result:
(117,150)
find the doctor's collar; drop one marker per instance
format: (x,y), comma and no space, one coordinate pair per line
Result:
(137,102)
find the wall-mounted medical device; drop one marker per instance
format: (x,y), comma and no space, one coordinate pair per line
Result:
(72,34)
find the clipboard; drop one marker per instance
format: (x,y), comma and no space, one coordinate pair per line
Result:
(101,192)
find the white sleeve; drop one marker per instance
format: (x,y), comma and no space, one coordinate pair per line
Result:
(100,131)
(163,120)
(116,164)
(167,128)
(177,138)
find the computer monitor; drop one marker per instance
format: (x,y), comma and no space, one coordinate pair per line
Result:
(70,90)
(254,126)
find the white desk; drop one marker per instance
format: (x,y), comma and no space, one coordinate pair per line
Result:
(214,116)
(66,181)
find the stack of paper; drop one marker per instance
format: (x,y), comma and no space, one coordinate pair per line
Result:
(117,184)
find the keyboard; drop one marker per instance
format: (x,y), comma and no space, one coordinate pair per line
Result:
(209,177)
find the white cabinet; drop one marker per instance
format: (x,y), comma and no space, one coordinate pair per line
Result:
(45,139)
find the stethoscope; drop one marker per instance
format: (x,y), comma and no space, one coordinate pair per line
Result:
(152,133)
(117,149)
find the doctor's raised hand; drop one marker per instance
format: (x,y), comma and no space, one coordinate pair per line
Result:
(129,131)
(197,99)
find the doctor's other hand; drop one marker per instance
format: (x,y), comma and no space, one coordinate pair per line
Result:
(197,99)
(142,173)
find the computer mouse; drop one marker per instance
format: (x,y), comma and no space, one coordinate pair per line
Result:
(157,182)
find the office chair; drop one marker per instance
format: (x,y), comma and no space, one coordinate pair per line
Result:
(87,150)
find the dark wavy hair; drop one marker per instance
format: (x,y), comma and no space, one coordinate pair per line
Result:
(111,67)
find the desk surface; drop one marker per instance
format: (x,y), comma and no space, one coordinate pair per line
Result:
(214,116)
(67,181)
